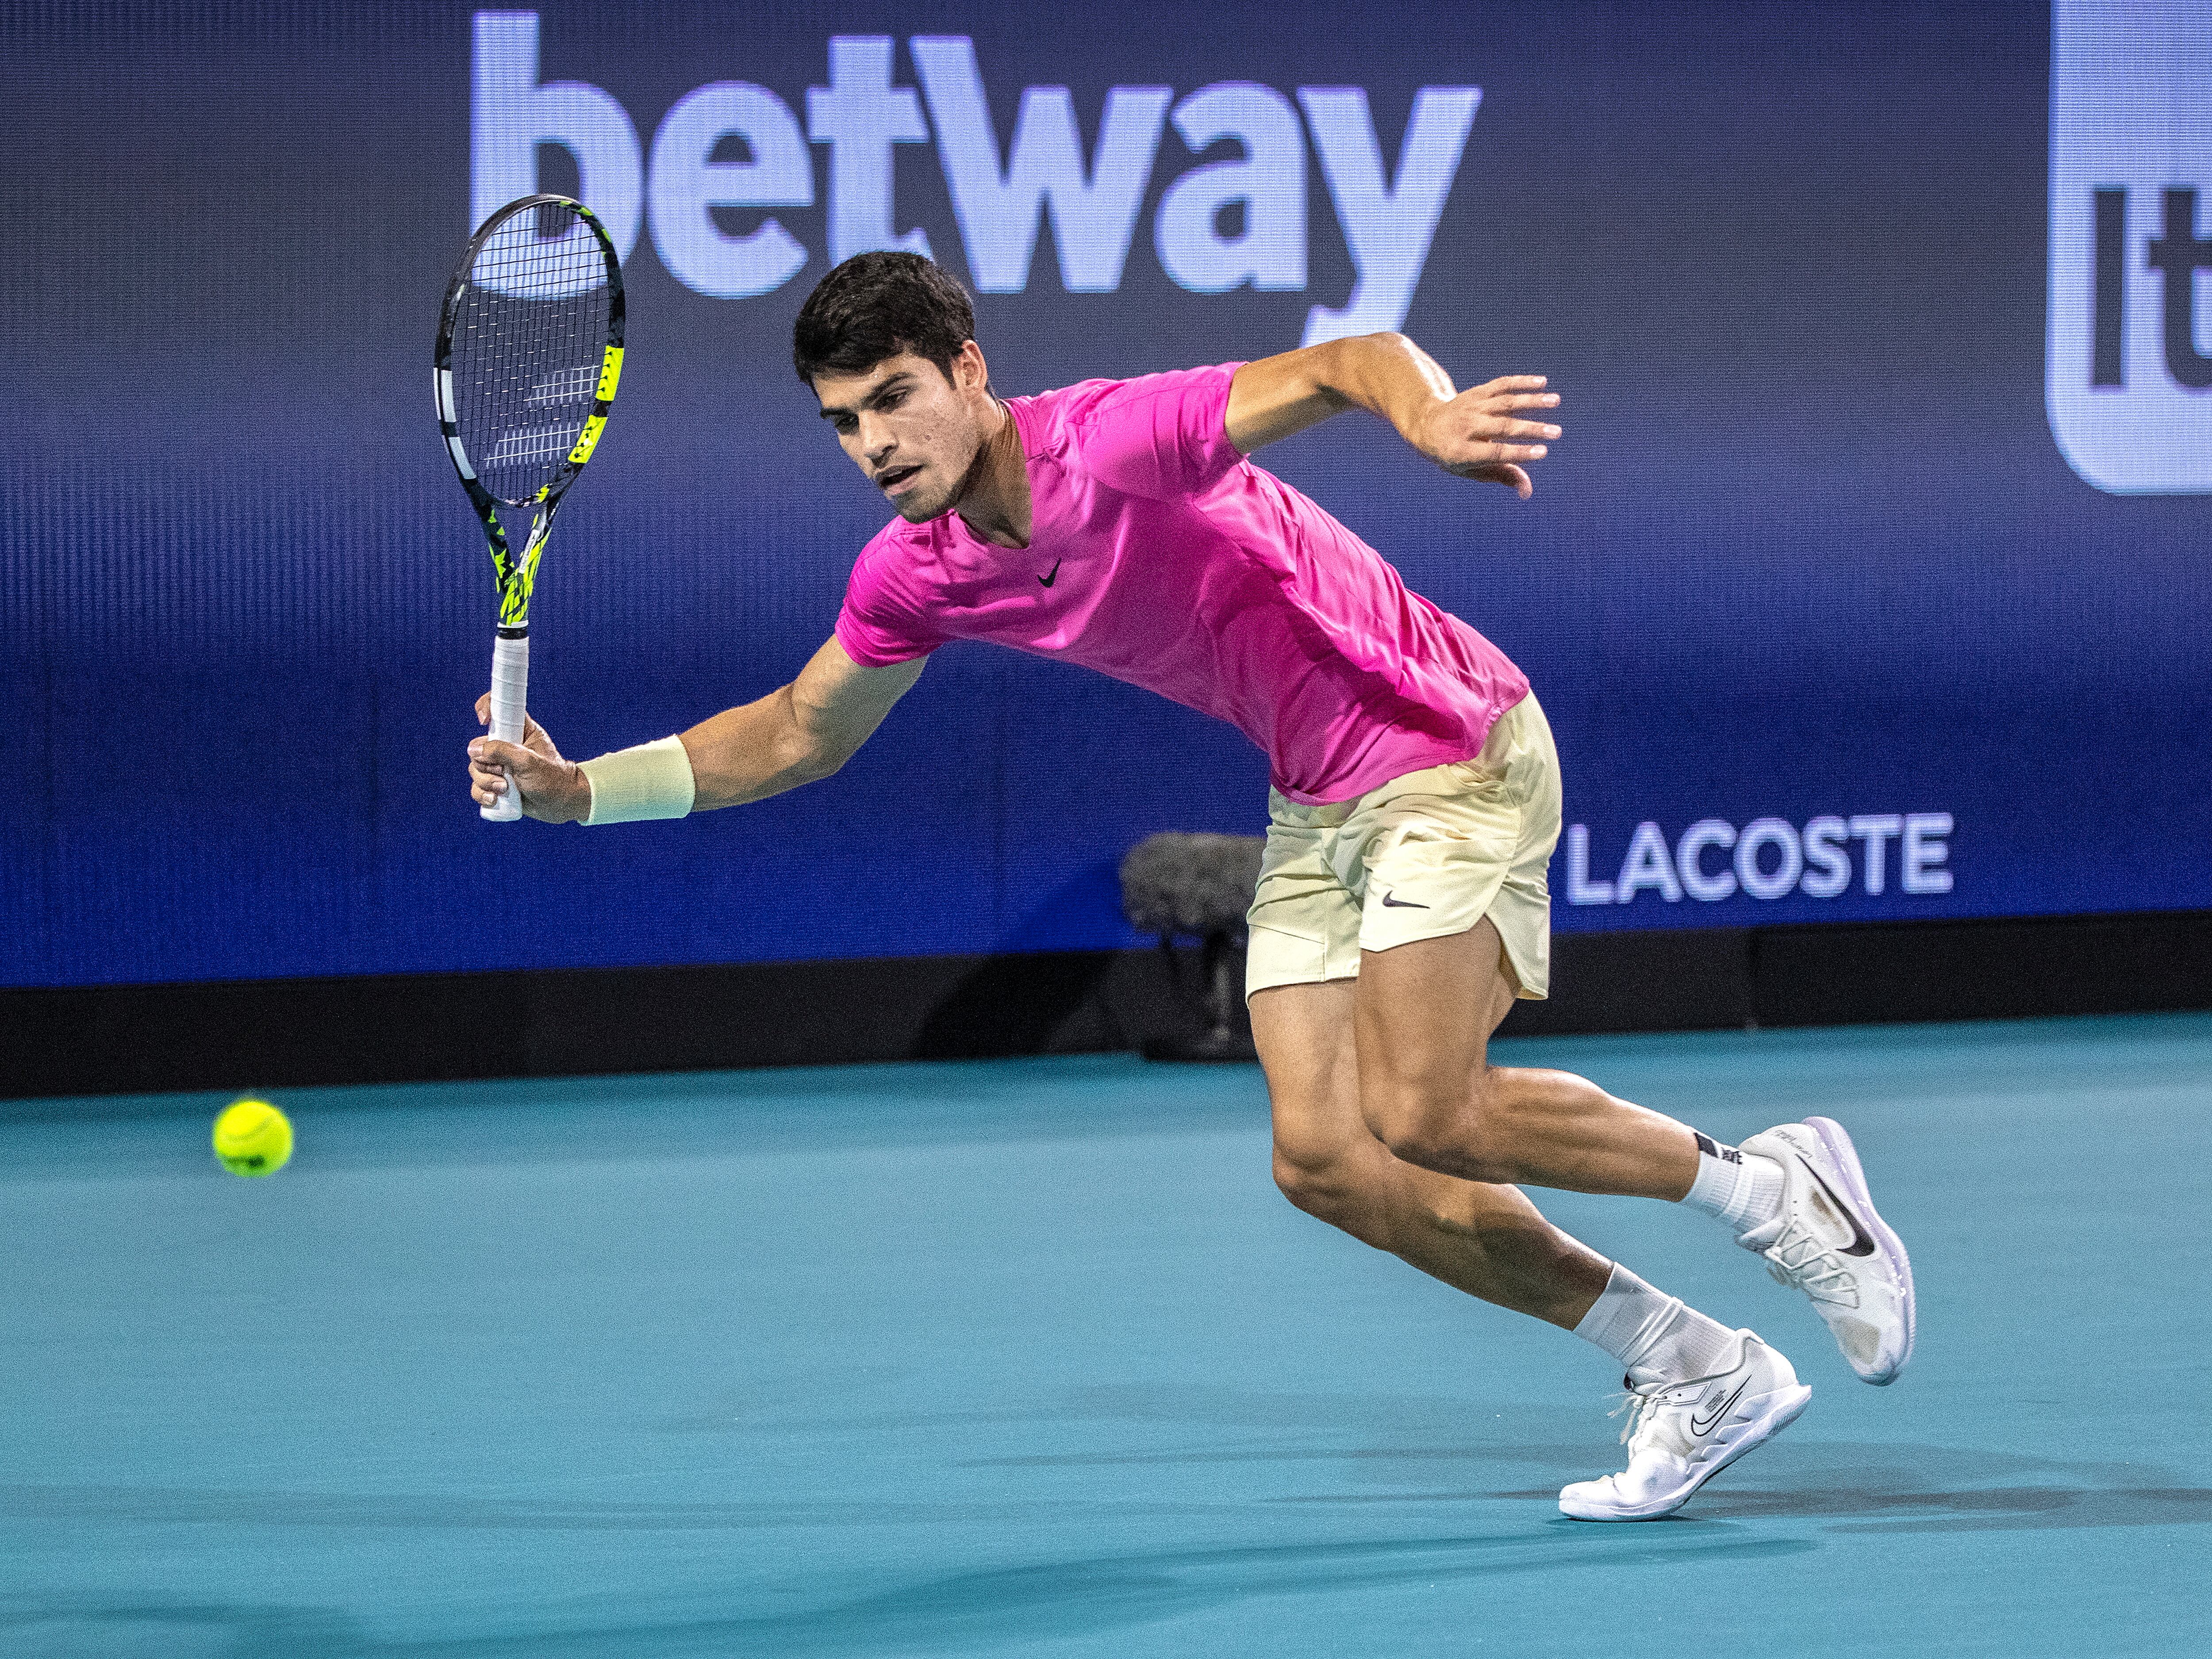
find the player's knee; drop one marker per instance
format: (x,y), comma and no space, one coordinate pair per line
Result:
(1324,1182)
(1309,1181)
(1439,1129)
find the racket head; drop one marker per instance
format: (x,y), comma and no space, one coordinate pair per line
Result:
(528,352)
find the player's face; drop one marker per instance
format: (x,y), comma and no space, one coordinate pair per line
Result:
(912,430)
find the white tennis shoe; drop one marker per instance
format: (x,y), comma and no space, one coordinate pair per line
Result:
(1680,1435)
(1828,1241)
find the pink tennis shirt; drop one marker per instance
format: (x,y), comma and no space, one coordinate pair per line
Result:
(1161,556)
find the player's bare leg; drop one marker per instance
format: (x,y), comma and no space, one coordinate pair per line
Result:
(1703,1395)
(1797,1193)
(1487,1240)
(1424,1014)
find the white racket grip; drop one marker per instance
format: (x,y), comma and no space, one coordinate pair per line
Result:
(510,691)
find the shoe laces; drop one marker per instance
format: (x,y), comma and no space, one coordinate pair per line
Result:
(1799,1258)
(1642,1407)
(1635,1405)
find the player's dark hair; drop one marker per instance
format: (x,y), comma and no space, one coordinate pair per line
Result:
(876,306)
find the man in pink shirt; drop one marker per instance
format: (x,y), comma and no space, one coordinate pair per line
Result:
(1402,904)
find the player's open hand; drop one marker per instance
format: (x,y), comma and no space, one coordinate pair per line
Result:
(1486,431)
(553,791)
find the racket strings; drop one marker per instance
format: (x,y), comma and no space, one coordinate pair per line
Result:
(530,333)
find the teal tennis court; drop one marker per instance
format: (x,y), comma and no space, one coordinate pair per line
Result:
(1028,1357)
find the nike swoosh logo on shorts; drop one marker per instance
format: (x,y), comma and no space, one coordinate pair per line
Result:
(1860,1244)
(1393,901)
(1046,581)
(1701,1426)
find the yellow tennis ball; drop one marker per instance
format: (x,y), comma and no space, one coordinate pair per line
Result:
(253,1138)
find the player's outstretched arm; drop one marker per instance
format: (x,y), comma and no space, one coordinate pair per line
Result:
(805,731)
(797,733)
(1481,432)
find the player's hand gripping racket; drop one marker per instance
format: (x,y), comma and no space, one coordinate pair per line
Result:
(529,350)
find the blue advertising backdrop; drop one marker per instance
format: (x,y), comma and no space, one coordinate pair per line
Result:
(1826,623)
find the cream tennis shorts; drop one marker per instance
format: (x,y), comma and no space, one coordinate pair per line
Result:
(1422,856)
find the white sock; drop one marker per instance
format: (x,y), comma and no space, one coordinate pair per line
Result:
(1657,1338)
(1741,1188)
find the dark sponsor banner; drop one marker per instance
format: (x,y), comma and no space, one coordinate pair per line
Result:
(1867,583)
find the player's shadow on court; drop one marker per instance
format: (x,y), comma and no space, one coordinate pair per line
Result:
(1068,1598)
(961,1613)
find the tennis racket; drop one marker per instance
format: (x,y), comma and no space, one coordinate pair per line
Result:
(530,350)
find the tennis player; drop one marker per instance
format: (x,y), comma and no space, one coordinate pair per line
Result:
(1402,904)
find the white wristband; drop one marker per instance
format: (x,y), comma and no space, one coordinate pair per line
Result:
(652,780)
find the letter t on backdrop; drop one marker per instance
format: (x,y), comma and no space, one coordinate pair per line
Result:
(860,115)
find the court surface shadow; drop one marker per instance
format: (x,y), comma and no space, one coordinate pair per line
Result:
(962,1613)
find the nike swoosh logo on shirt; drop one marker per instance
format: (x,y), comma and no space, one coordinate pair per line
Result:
(1046,581)
(1860,1244)
(1394,901)
(1701,1425)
